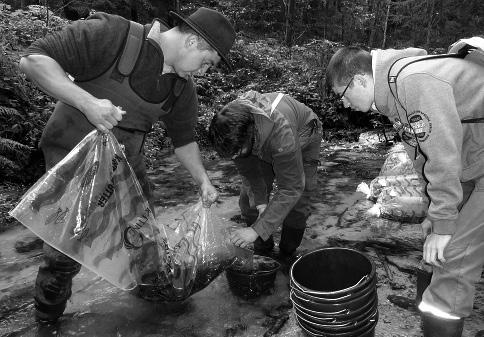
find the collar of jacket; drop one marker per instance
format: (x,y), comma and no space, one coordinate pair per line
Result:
(260,106)
(384,100)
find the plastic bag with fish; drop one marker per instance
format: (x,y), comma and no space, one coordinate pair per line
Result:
(201,251)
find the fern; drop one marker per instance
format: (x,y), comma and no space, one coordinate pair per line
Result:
(12,149)
(8,165)
(8,113)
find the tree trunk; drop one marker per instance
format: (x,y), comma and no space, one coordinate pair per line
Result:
(133,4)
(430,23)
(290,6)
(374,26)
(386,25)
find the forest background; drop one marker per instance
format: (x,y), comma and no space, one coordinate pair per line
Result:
(281,45)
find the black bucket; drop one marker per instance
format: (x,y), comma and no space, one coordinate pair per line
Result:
(333,291)
(253,282)
(332,272)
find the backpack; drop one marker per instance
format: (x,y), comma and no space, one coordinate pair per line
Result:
(471,49)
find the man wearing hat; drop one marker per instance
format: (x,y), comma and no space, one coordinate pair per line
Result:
(122,81)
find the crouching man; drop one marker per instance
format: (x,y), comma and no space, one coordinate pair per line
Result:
(270,136)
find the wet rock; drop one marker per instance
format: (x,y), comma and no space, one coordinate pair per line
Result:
(234,330)
(276,325)
(384,227)
(355,213)
(28,243)
(407,264)
(402,302)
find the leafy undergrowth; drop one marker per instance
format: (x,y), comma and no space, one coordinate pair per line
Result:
(264,65)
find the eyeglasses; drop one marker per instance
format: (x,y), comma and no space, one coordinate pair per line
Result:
(340,96)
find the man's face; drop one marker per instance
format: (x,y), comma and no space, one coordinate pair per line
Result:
(357,93)
(193,60)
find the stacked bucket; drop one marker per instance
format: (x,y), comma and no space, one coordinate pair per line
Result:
(333,291)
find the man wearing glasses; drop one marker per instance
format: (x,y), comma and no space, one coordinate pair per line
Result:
(270,137)
(436,104)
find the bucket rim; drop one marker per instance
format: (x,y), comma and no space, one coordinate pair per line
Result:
(324,299)
(277,266)
(361,283)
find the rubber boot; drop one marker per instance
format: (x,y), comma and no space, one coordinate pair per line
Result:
(290,239)
(53,285)
(424,276)
(434,326)
(264,248)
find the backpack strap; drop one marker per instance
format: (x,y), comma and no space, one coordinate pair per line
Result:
(276,101)
(392,76)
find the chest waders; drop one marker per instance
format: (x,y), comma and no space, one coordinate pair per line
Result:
(68,126)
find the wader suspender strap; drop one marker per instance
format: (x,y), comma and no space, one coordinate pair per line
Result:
(126,62)
(130,53)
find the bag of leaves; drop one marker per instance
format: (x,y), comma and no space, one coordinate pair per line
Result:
(403,203)
(398,192)
(90,207)
(380,183)
(397,162)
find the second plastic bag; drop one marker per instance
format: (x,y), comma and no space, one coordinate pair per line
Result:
(200,250)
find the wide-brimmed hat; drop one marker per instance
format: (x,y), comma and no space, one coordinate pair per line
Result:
(214,27)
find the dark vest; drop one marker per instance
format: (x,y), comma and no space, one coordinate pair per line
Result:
(68,126)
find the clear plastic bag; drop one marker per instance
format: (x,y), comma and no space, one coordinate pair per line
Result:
(403,203)
(397,163)
(201,251)
(90,206)
(380,183)
(398,192)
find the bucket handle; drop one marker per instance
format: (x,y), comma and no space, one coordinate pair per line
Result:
(291,294)
(363,279)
